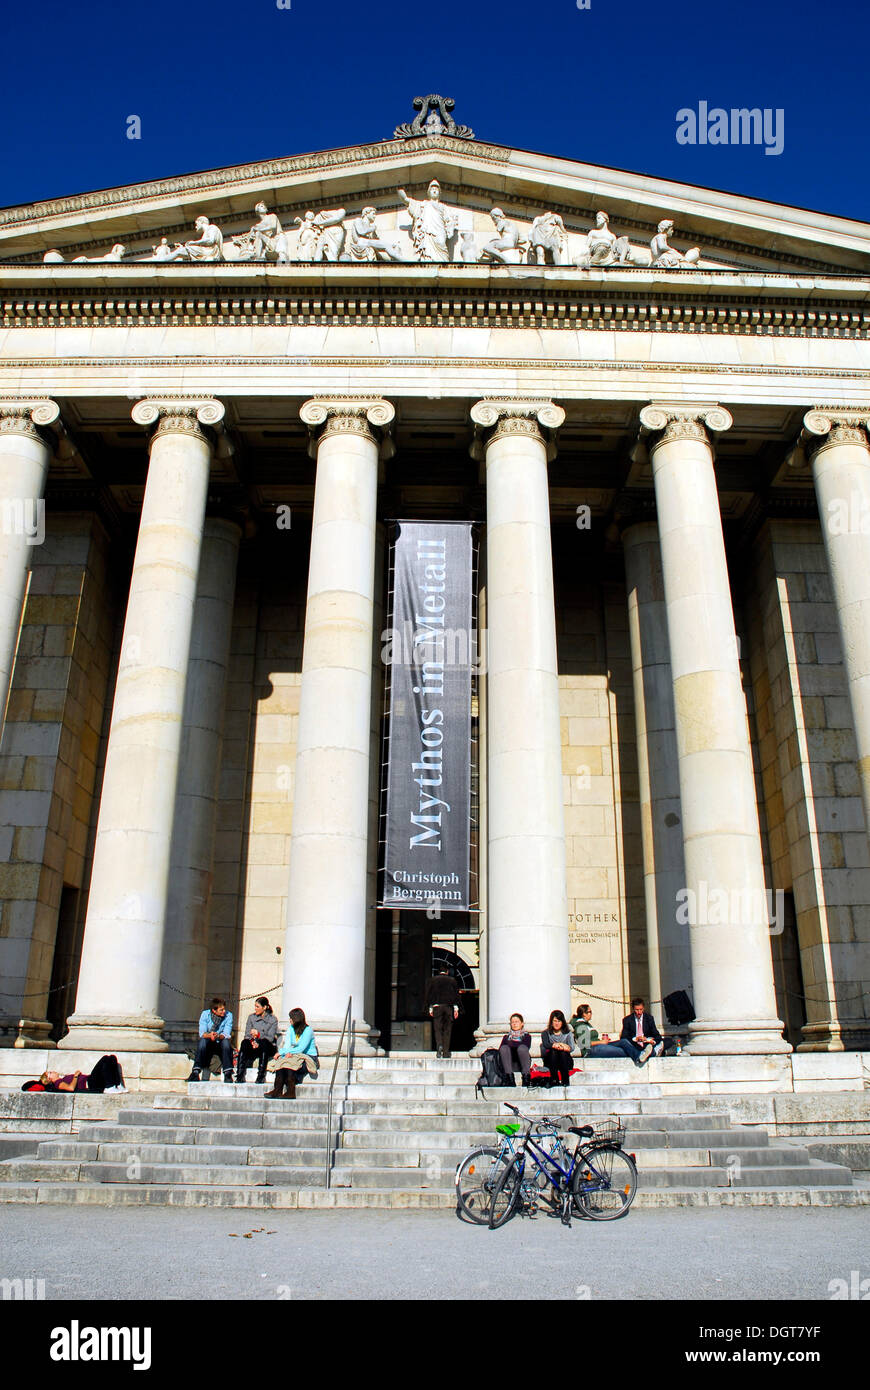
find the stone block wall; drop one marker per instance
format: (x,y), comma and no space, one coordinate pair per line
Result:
(607,920)
(52,747)
(818,847)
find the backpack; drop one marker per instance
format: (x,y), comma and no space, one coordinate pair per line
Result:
(678,1008)
(493,1073)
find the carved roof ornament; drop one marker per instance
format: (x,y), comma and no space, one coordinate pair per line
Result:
(433,118)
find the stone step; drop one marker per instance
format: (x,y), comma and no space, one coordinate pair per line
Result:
(368,1114)
(202,1174)
(239,1138)
(279,1117)
(392,1198)
(393,1136)
(16,1145)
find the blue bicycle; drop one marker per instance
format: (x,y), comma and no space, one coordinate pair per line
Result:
(478,1172)
(598,1181)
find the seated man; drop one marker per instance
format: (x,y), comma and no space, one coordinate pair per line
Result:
(215,1030)
(639,1028)
(606,1046)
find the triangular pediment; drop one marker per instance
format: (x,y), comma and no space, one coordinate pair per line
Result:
(727,232)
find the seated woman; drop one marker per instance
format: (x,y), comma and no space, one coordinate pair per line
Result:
(297,1053)
(260,1041)
(515,1049)
(106,1076)
(557,1045)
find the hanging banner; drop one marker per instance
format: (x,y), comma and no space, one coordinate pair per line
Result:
(428,803)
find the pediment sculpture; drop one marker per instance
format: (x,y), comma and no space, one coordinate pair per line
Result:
(438,234)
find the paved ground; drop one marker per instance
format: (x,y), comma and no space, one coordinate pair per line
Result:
(772,1253)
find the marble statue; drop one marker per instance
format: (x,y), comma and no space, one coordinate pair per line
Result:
(364,242)
(321,235)
(603,247)
(116,254)
(210,244)
(52,258)
(665,257)
(434,225)
(164,252)
(549,238)
(508,246)
(468,248)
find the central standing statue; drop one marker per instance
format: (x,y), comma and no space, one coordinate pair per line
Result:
(434,225)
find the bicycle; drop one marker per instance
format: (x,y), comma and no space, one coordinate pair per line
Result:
(599,1182)
(477,1174)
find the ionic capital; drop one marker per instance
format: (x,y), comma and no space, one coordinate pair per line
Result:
(27,417)
(825,428)
(191,417)
(369,417)
(496,419)
(667,423)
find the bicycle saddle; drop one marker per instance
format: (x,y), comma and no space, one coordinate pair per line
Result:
(509,1129)
(582,1132)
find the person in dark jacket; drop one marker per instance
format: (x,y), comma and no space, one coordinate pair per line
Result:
(442,1001)
(260,1041)
(639,1028)
(515,1049)
(557,1045)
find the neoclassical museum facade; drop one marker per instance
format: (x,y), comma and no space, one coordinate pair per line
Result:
(222,395)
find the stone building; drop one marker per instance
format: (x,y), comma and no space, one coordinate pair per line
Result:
(218,391)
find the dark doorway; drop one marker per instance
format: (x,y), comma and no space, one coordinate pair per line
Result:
(787,974)
(409,946)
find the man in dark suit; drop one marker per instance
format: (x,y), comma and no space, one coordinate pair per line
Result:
(442,1001)
(639,1028)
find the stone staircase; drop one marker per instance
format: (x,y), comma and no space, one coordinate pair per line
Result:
(400,1127)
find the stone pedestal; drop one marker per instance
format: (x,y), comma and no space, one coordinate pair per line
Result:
(670,966)
(186,944)
(24,456)
(118,992)
(527,918)
(726,901)
(324,954)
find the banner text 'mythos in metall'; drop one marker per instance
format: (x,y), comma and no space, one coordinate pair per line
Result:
(429,743)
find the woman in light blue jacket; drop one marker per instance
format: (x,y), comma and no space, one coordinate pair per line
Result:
(298,1051)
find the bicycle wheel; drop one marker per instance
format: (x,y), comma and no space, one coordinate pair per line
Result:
(604,1184)
(506,1195)
(476,1177)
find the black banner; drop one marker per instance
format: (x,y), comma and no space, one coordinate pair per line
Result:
(428,806)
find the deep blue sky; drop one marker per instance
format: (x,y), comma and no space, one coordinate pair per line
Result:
(225,83)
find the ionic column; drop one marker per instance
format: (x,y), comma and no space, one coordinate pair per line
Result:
(527,917)
(327,900)
(840,457)
(25,452)
(732,970)
(118,992)
(187,917)
(670,966)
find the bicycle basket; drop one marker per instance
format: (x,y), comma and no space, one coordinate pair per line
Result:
(609,1131)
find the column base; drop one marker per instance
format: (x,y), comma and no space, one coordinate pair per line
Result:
(25,1032)
(836,1035)
(119,1033)
(753,1038)
(327,1035)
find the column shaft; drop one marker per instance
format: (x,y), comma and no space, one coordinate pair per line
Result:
(527,918)
(24,459)
(187,918)
(726,902)
(670,966)
(327,898)
(118,992)
(841,473)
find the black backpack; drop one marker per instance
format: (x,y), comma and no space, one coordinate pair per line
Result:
(493,1073)
(678,1008)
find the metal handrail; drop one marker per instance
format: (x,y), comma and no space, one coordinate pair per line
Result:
(346,1027)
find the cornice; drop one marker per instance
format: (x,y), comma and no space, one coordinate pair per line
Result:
(497,305)
(218,179)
